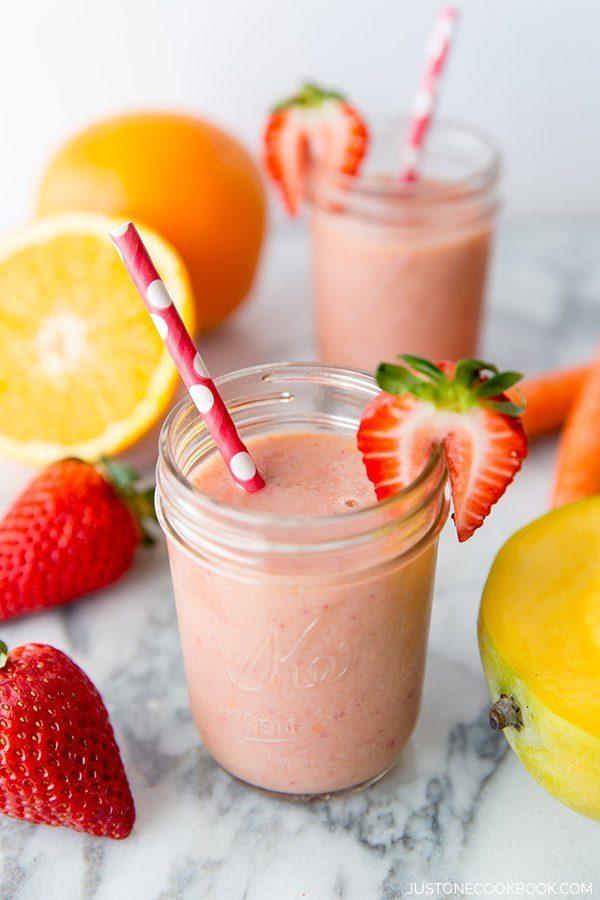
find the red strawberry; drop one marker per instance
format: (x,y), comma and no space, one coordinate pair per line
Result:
(458,406)
(72,531)
(59,761)
(314,123)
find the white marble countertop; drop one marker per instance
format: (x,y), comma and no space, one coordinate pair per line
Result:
(459,806)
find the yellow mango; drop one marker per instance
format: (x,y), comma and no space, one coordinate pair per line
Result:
(539,638)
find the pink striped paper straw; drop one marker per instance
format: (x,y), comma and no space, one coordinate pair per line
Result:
(190,364)
(424,100)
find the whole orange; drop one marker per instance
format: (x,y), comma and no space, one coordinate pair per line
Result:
(192,182)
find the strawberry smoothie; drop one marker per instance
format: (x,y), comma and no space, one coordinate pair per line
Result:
(401,268)
(305,676)
(381,290)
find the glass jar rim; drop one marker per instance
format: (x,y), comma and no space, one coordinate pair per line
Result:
(239,517)
(274,398)
(389,188)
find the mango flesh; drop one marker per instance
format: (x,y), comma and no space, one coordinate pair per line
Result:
(539,638)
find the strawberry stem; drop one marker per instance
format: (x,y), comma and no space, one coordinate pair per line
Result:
(3,654)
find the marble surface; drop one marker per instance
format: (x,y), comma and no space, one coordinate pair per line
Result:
(459,807)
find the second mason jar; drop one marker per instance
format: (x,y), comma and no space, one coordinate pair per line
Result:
(401,268)
(303,636)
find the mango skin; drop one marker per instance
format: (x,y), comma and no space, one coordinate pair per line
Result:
(563,759)
(539,639)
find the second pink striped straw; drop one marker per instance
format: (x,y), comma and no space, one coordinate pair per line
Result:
(424,100)
(190,364)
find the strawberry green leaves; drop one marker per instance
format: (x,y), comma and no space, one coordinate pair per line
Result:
(473,382)
(398,380)
(506,407)
(309,95)
(498,384)
(494,387)
(470,370)
(425,367)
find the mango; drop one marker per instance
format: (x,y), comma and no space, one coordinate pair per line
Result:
(539,639)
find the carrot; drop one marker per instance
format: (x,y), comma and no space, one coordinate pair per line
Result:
(578,464)
(549,397)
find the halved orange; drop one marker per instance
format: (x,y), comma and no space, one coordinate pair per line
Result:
(82,370)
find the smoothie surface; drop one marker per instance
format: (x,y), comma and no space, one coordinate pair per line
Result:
(306,473)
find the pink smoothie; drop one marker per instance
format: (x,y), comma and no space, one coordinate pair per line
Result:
(383,288)
(302,685)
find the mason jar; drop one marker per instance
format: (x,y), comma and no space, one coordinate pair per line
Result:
(401,268)
(303,637)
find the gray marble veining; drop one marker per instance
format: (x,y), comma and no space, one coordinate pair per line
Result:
(458,807)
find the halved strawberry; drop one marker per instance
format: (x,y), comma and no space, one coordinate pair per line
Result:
(461,406)
(316,123)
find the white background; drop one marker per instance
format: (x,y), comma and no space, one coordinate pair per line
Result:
(526,70)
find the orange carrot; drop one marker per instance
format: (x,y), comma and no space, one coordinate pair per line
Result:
(578,465)
(549,397)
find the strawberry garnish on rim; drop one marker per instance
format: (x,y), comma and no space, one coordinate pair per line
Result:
(314,123)
(461,406)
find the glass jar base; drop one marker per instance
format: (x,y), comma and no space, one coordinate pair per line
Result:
(311,798)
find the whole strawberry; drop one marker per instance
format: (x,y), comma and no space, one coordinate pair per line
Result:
(74,530)
(59,761)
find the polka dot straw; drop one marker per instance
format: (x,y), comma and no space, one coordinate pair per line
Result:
(424,100)
(190,364)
